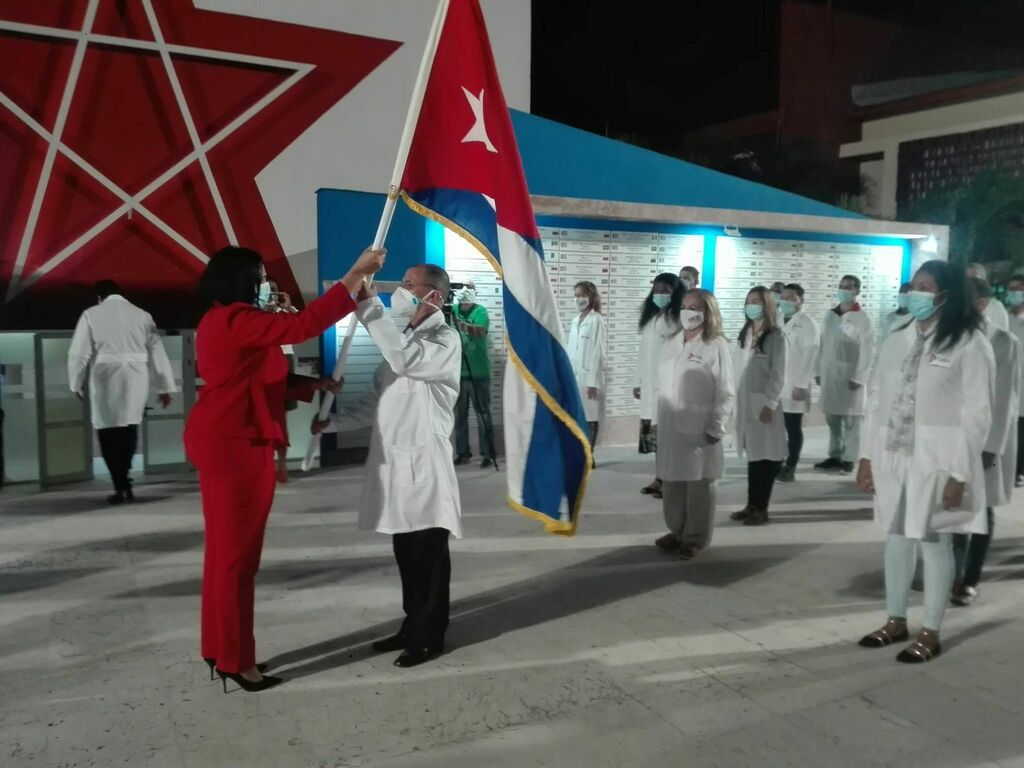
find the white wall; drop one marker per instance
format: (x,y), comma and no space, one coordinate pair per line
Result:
(353,145)
(885,136)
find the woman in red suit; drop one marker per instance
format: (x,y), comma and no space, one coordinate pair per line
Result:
(233,431)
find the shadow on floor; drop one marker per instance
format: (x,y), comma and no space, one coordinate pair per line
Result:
(607,578)
(823,515)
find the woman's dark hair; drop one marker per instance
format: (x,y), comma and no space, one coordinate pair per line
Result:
(233,275)
(590,290)
(768,323)
(957,314)
(650,309)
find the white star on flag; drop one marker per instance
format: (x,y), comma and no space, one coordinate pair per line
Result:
(479,130)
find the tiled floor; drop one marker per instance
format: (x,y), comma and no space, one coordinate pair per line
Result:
(590,651)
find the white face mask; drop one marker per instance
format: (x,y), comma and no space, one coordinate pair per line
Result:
(691,319)
(582,303)
(404,302)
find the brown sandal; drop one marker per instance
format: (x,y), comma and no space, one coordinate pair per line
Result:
(892,632)
(688,552)
(919,652)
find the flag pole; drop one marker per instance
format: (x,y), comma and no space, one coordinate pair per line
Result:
(404,145)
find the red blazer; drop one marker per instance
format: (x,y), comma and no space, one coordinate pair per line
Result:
(245,374)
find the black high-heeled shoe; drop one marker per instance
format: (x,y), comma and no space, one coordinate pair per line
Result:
(212,664)
(268,681)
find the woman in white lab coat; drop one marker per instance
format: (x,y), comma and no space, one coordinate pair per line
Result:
(659,321)
(929,416)
(695,404)
(587,350)
(1000,455)
(760,428)
(802,339)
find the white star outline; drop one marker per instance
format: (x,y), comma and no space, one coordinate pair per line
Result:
(479,130)
(130,203)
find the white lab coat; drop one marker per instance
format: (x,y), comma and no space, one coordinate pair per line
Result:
(652,342)
(696,397)
(1017,329)
(587,349)
(953,417)
(759,380)
(847,347)
(892,321)
(120,344)
(996,315)
(802,340)
(410,475)
(1002,437)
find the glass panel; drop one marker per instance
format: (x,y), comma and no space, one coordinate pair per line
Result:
(59,404)
(18,401)
(173,346)
(65,454)
(163,442)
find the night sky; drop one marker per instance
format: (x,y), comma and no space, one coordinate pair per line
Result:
(636,71)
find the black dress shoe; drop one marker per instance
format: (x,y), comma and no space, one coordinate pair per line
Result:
(487,462)
(388,644)
(459,460)
(417,657)
(116,498)
(829,464)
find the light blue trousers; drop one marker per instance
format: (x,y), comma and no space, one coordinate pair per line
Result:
(939,571)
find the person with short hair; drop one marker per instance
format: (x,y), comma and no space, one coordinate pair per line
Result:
(760,430)
(900,315)
(1015,301)
(929,417)
(233,431)
(847,344)
(659,321)
(472,322)
(411,490)
(802,339)
(587,351)
(1000,455)
(995,313)
(689,277)
(695,407)
(117,345)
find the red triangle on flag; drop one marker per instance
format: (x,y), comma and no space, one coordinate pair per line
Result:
(33,72)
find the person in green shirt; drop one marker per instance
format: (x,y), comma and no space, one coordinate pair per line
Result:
(471,321)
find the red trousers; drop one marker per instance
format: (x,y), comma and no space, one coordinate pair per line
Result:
(236,482)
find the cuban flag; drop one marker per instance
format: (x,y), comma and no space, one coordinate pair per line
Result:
(464,171)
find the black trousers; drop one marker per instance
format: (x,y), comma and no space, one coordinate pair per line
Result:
(477,391)
(760,481)
(426,570)
(117,444)
(1,447)
(970,551)
(795,437)
(1020,445)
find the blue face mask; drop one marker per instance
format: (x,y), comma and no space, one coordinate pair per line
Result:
(921,304)
(903,300)
(661,300)
(754,311)
(788,308)
(1015,298)
(844,296)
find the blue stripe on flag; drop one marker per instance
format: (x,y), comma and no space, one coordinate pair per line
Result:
(469,210)
(556,457)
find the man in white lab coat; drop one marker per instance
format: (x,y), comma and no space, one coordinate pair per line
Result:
(117,344)
(802,339)
(411,491)
(847,350)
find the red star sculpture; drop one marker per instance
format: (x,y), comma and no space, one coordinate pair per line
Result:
(131,134)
